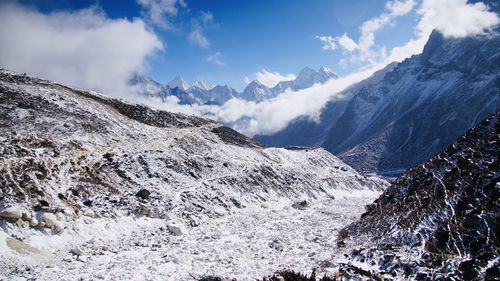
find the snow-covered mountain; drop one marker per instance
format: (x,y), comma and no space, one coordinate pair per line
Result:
(178,82)
(440,219)
(410,111)
(201,85)
(304,132)
(256,91)
(306,78)
(201,93)
(421,106)
(198,93)
(94,182)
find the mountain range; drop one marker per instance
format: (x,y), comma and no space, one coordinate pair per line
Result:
(201,93)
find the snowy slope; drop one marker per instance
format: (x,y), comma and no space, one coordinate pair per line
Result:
(444,214)
(421,106)
(178,82)
(77,167)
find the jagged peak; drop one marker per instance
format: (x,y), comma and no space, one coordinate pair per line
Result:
(201,85)
(178,82)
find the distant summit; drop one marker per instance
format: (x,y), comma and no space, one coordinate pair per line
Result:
(178,82)
(202,86)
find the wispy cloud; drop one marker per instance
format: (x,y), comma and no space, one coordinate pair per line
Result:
(329,42)
(216,59)
(205,21)
(82,48)
(268,78)
(365,45)
(197,37)
(160,12)
(454,18)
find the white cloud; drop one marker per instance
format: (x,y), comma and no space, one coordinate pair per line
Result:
(456,18)
(268,78)
(216,59)
(81,48)
(399,8)
(207,19)
(453,18)
(197,37)
(159,12)
(199,25)
(366,41)
(328,42)
(347,43)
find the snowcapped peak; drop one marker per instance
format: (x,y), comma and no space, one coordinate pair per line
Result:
(326,70)
(306,71)
(255,83)
(178,82)
(202,86)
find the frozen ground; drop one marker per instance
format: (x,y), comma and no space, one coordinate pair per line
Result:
(247,244)
(136,193)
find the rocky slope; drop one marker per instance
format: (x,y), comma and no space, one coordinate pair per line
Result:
(421,106)
(441,219)
(79,170)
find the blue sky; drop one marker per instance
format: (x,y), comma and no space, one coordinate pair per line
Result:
(250,36)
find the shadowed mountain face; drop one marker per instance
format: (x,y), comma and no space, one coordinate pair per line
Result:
(421,106)
(408,112)
(447,208)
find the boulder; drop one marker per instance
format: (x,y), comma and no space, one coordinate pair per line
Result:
(11,213)
(143,194)
(48,219)
(33,222)
(57,229)
(302,205)
(174,230)
(76,251)
(276,245)
(21,247)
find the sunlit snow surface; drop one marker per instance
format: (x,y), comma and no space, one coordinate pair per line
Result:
(236,245)
(230,197)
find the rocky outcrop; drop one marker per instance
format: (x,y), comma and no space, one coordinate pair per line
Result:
(446,211)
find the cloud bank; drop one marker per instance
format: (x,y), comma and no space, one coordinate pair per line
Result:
(82,48)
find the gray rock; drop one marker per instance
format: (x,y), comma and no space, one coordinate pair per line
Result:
(48,219)
(276,245)
(143,194)
(174,230)
(76,251)
(11,213)
(302,205)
